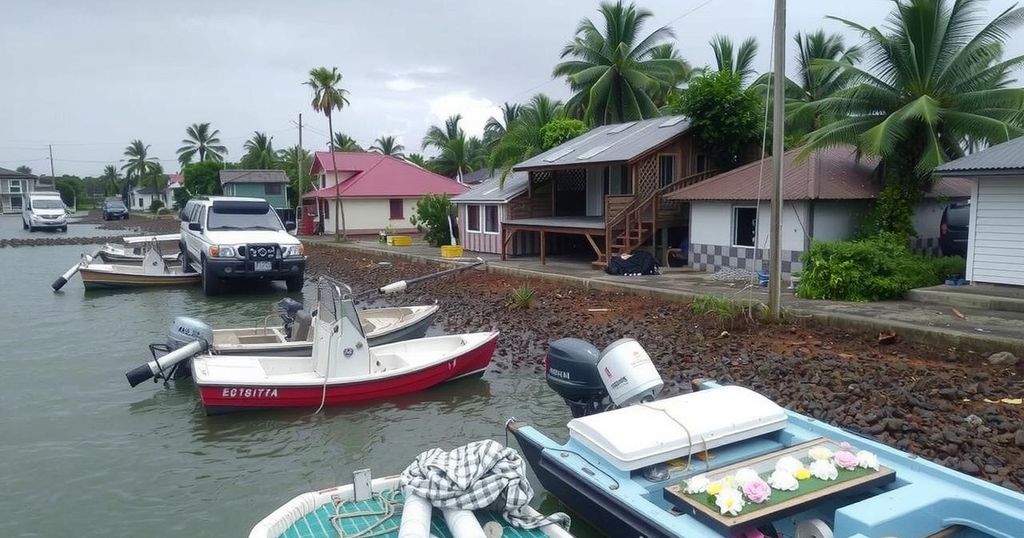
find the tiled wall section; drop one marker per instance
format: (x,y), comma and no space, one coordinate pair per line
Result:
(710,258)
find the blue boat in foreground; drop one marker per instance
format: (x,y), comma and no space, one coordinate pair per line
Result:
(721,461)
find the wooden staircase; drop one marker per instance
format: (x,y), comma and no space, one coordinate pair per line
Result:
(633,220)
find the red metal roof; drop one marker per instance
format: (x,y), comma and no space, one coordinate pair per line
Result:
(175,178)
(379,176)
(828,174)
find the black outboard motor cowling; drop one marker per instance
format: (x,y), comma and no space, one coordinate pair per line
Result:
(288,308)
(571,370)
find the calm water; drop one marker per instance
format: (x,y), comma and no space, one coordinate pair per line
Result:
(82,453)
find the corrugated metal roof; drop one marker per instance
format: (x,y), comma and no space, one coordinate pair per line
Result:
(1006,158)
(4,172)
(382,176)
(490,191)
(252,176)
(829,174)
(620,142)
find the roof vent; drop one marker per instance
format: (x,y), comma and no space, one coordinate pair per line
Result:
(558,155)
(672,122)
(591,152)
(622,127)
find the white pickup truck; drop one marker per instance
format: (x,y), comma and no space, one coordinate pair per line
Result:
(238,238)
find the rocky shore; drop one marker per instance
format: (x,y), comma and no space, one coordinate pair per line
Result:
(950,406)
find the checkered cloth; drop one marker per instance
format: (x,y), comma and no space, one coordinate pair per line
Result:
(479,475)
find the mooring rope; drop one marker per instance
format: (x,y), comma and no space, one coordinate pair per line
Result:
(390,507)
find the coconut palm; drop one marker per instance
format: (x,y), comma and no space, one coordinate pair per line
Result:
(138,165)
(387,145)
(523,138)
(739,61)
(936,84)
(23,169)
(296,162)
(344,142)
(615,73)
(329,96)
(457,155)
(156,179)
(200,139)
(495,129)
(418,159)
(259,152)
(110,180)
(668,51)
(816,81)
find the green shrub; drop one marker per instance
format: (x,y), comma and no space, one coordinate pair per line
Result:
(431,217)
(155,206)
(556,132)
(871,269)
(522,297)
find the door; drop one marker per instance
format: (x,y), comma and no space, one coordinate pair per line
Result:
(595,192)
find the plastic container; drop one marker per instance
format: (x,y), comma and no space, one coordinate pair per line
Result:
(451,251)
(399,240)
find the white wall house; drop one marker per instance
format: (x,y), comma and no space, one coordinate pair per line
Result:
(142,198)
(827,196)
(485,207)
(14,185)
(995,244)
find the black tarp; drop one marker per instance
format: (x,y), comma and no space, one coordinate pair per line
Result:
(640,262)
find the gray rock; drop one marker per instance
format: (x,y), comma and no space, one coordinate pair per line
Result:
(969,467)
(1002,358)
(974,420)
(1018,438)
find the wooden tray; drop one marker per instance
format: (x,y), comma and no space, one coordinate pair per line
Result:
(781,503)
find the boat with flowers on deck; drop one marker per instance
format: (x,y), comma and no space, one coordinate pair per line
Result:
(727,461)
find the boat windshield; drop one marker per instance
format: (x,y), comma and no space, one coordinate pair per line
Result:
(243,216)
(47,203)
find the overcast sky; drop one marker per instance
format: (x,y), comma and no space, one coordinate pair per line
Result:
(89,77)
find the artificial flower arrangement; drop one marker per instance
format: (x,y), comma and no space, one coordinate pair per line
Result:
(732,492)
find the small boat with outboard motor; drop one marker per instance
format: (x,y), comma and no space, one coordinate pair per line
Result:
(727,461)
(475,491)
(295,335)
(134,249)
(154,270)
(342,369)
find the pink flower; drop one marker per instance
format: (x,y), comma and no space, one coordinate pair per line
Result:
(845,446)
(845,459)
(757,491)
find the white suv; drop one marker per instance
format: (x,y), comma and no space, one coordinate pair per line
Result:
(238,238)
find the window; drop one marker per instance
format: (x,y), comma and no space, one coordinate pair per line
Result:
(491,220)
(243,216)
(15,186)
(272,188)
(397,209)
(744,224)
(323,181)
(702,163)
(140,201)
(472,218)
(667,168)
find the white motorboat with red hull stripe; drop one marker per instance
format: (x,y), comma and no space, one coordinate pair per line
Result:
(343,368)
(400,368)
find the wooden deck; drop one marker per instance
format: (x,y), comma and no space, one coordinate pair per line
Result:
(588,227)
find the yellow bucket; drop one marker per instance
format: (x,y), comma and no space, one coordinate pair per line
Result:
(451,251)
(399,240)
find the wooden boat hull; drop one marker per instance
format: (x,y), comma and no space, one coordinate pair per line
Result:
(93,278)
(127,258)
(226,397)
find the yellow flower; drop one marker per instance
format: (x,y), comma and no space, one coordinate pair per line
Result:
(714,488)
(802,474)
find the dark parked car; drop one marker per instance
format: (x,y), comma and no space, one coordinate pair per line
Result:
(114,209)
(956,218)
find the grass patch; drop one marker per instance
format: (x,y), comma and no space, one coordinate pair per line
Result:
(717,307)
(522,296)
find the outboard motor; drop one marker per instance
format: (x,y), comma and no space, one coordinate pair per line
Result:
(591,382)
(186,337)
(289,309)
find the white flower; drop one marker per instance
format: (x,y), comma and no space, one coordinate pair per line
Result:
(819,453)
(746,475)
(729,482)
(730,501)
(824,470)
(697,484)
(788,464)
(867,460)
(783,481)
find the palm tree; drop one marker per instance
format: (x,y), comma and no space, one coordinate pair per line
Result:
(138,165)
(668,51)
(523,138)
(615,73)
(816,81)
(111,180)
(157,179)
(203,141)
(418,159)
(23,169)
(259,152)
(937,84)
(344,142)
(329,96)
(458,155)
(296,162)
(495,129)
(387,145)
(739,61)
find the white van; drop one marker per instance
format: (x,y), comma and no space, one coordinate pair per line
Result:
(44,211)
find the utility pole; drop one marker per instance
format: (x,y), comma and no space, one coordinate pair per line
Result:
(53,177)
(778,132)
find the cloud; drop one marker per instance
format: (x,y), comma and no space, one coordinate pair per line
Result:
(402,84)
(475,110)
